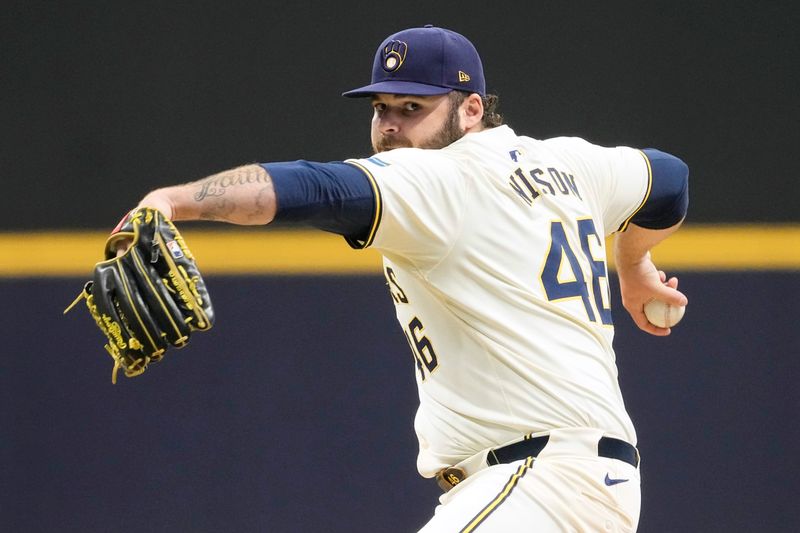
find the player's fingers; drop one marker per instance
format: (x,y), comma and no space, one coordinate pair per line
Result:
(122,246)
(662,276)
(642,323)
(669,294)
(655,330)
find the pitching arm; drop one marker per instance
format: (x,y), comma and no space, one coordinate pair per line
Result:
(659,217)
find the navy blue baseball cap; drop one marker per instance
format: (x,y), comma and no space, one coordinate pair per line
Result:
(424,62)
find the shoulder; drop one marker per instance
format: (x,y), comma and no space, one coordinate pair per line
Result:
(582,151)
(570,143)
(410,164)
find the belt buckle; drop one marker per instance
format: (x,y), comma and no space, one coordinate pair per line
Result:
(447,478)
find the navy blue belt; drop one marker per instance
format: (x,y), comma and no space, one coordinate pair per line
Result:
(607,447)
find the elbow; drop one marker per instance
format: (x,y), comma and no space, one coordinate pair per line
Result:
(668,202)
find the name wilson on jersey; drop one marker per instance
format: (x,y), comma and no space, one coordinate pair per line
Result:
(553,181)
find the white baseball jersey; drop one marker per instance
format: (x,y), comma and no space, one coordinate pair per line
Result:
(494,253)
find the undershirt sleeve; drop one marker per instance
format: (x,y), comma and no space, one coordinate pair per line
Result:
(336,197)
(669,194)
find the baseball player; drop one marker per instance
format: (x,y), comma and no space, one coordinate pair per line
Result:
(494,255)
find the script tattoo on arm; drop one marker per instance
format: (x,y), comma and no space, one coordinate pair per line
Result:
(241,195)
(218,184)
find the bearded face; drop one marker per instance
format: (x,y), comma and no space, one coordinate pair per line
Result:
(415,122)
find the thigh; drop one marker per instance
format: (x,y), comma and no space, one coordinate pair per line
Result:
(546,495)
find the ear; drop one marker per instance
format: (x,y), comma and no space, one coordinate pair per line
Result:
(472,113)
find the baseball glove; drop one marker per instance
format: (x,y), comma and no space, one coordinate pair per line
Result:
(150,297)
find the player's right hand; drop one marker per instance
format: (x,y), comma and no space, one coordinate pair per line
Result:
(642,282)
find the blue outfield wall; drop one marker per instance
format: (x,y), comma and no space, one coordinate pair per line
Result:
(295,413)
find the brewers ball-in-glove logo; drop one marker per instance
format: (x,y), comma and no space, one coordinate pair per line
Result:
(394,54)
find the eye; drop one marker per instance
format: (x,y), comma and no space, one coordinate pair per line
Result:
(410,106)
(379,107)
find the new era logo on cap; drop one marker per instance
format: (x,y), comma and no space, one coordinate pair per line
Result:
(425,61)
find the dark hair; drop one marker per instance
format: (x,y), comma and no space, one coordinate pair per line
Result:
(491,118)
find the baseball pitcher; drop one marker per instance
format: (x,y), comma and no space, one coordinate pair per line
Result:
(494,255)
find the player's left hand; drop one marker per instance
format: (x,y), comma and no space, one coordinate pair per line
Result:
(642,282)
(148,294)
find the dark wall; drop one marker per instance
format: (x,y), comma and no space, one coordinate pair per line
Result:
(101,102)
(295,413)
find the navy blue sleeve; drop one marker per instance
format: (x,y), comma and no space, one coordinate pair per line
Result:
(336,197)
(668,200)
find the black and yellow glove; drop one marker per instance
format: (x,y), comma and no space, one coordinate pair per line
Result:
(149,298)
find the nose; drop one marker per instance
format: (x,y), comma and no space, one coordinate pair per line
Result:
(388,123)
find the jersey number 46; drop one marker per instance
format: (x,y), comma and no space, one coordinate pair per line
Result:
(563,277)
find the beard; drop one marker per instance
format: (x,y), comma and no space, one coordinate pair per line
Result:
(449,133)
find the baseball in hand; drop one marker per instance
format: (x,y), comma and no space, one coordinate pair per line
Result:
(662,314)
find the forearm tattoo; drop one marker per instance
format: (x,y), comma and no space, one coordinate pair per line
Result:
(220,200)
(218,184)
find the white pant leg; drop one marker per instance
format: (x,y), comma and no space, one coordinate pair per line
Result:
(564,490)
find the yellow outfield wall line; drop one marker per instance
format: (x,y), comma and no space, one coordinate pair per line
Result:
(289,252)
